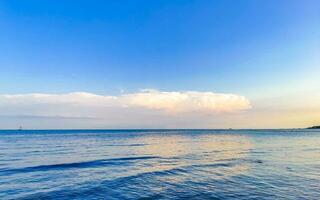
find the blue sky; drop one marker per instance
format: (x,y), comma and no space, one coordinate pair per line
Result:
(258,49)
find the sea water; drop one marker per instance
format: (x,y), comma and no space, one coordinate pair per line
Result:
(160,164)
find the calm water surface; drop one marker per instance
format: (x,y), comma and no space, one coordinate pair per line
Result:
(162,164)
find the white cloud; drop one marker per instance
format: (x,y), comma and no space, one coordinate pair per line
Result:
(187,101)
(80,98)
(147,107)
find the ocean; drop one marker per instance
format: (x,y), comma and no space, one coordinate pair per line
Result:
(160,164)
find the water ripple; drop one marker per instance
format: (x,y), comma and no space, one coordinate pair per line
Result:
(64,166)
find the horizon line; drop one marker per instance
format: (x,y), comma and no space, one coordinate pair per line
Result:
(151,129)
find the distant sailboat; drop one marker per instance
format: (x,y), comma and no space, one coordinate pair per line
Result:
(20,128)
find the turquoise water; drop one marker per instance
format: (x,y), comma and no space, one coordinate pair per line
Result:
(160,164)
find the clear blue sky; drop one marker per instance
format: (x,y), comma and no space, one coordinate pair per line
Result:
(108,46)
(245,47)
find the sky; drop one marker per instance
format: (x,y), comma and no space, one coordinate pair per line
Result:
(159,64)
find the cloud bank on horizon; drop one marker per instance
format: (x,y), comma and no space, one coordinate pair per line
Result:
(145,107)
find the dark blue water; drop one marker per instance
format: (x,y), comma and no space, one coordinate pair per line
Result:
(162,164)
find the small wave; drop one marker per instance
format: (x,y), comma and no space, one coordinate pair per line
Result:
(90,190)
(216,165)
(86,164)
(241,160)
(106,187)
(125,145)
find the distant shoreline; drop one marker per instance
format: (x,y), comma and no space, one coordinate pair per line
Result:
(314,127)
